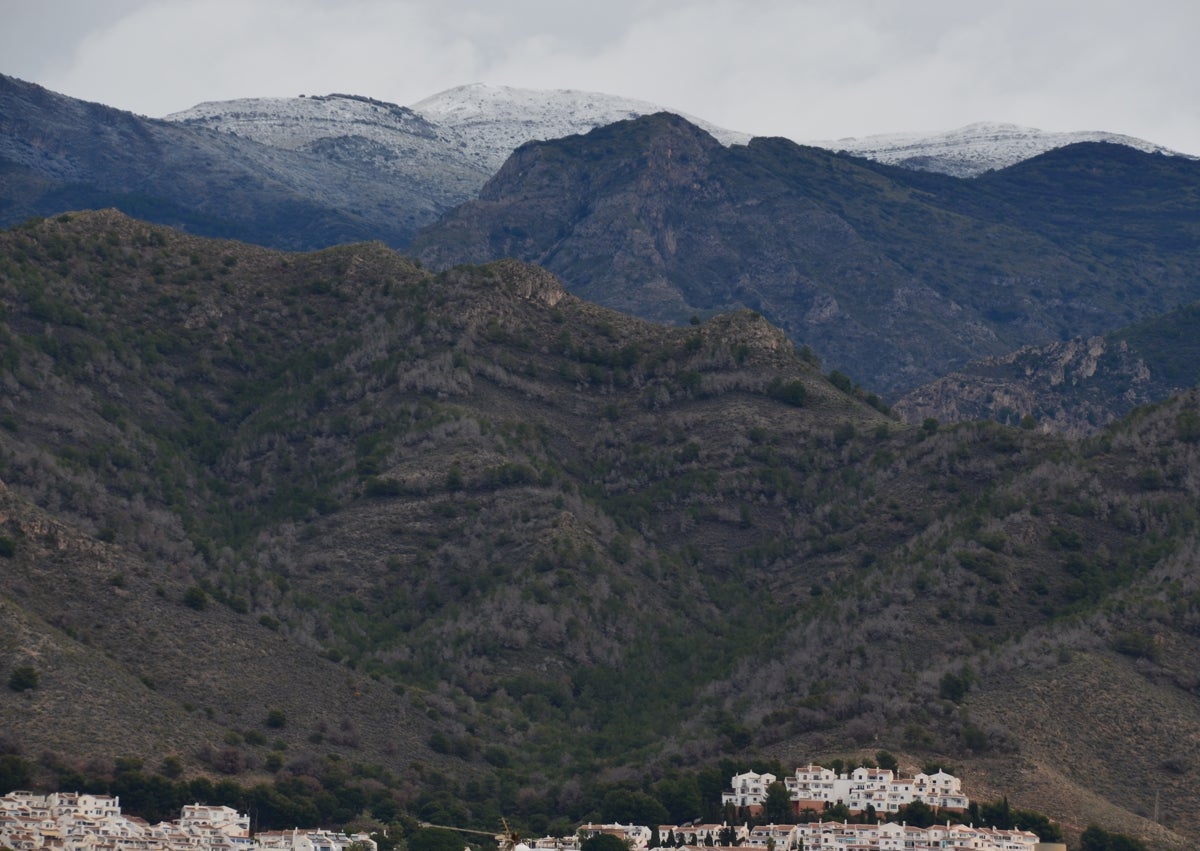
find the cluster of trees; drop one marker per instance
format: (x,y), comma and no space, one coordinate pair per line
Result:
(1098,839)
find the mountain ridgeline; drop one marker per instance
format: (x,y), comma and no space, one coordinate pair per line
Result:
(58,153)
(892,276)
(272,511)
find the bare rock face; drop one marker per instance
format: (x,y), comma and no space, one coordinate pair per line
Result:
(531,283)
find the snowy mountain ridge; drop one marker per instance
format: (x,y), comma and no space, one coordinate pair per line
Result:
(393,139)
(452,142)
(476,125)
(971,150)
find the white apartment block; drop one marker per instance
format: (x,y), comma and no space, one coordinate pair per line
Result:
(79,822)
(814,787)
(747,790)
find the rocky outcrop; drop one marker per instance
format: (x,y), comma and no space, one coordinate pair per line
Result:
(1073,388)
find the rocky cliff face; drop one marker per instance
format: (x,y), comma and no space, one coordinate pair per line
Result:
(1058,386)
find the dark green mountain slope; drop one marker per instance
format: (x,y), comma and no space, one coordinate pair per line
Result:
(891,276)
(520,546)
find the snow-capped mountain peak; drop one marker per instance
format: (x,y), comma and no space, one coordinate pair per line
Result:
(494,120)
(473,127)
(450,143)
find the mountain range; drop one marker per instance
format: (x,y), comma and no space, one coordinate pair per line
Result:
(479,125)
(892,276)
(482,124)
(843,258)
(600,485)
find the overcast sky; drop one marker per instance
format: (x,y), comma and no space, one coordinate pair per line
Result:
(806,69)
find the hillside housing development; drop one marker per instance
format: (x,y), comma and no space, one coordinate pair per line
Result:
(70,821)
(878,789)
(823,836)
(83,822)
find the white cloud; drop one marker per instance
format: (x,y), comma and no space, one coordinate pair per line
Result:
(805,68)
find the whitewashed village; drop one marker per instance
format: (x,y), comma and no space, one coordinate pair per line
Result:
(83,822)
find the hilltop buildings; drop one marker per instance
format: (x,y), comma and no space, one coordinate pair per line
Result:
(816,788)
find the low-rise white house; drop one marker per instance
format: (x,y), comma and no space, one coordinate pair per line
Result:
(707,835)
(892,836)
(777,836)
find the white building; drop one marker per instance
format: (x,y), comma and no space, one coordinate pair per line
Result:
(225,819)
(747,790)
(814,787)
(778,836)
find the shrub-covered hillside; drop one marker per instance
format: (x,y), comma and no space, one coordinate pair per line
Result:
(469,529)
